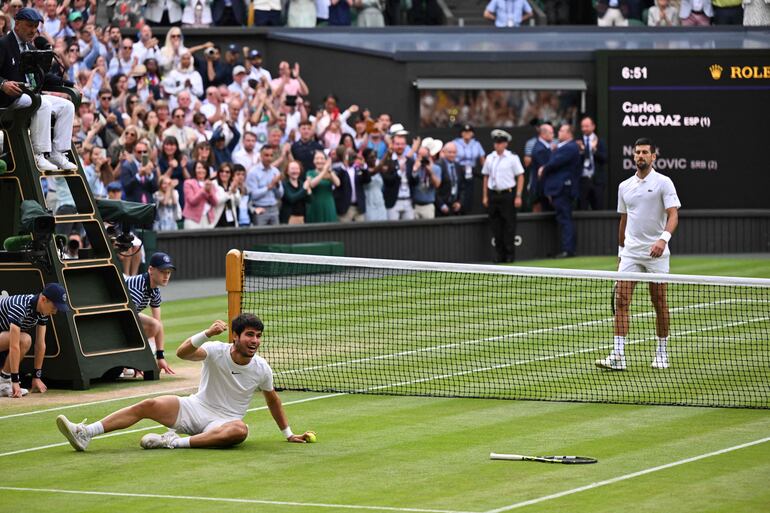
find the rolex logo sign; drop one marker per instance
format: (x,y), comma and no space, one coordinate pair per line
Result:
(716,71)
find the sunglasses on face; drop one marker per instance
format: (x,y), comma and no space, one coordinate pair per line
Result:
(106,97)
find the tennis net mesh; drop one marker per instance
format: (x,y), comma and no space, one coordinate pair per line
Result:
(456,330)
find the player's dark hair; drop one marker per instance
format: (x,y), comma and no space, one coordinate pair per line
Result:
(644,141)
(246,320)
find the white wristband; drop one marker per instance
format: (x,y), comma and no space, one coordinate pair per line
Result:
(287,432)
(620,250)
(666,236)
(198,339)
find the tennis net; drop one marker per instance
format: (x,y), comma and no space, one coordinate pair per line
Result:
(455,330)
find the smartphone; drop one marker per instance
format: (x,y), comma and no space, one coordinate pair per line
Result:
(145,159)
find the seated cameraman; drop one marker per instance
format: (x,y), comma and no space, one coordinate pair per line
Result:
(12,45)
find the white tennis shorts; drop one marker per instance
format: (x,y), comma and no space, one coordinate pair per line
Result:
(194,418)
(644,265)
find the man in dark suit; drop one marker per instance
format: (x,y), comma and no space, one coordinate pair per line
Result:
(541,154)
(450,192)
(232,14)
(561,177)
(349,197)
(398,180)
(594,177)
(137,175)
(11,78)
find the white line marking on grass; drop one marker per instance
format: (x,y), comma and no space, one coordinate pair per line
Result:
(229,500)
(156,426)
(70,406)
(625,477)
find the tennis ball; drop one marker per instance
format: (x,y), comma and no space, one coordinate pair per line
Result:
(310,437)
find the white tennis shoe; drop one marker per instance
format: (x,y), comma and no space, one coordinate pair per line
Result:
(6,390)
(156,441)
(61,161)
(612,362)
(43,164)
(660,361)
(76,434)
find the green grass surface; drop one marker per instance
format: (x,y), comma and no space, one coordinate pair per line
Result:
(407,453)
(504,336)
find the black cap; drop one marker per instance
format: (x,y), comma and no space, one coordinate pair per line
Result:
(57,295)
(253,54)
(232,48)
(28,14)
(467,128)
(161,261)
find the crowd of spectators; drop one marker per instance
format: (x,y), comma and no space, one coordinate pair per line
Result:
(607,13)
(214,139)
(61,20)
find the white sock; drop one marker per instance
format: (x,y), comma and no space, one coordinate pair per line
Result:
(619,343)
(95,429)
(182,443)
(151,341)
(662,341)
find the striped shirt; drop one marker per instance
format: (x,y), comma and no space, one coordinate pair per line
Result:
(20,310)
(141,293)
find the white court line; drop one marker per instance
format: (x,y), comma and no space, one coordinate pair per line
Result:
(156,426)
(501,337)
(102,401)
(625,477)
(231,500)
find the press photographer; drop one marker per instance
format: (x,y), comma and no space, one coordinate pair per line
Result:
(426,178)
(12,78)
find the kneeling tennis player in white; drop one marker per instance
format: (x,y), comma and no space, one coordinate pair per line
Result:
(213,417)
(649,214)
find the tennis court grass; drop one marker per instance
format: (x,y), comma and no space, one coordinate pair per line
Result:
(386,453)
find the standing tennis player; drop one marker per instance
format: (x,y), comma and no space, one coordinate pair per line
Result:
(649,214)
(214,415)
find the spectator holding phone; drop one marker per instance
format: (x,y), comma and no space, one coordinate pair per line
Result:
(167,208)
(172,164)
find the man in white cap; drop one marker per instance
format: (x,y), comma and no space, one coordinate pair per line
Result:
(501,196)
(240,85)
(12,45)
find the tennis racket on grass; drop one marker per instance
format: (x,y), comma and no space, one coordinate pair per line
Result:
(566,460)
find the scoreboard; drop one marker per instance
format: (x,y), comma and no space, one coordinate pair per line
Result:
(708,114)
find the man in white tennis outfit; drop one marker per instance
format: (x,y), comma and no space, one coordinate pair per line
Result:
(649,214)
(213,417)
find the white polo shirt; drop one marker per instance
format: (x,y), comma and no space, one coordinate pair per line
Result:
(645,202)
(502,170)
(226,387)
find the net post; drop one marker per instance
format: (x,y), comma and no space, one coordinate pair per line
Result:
(234,283)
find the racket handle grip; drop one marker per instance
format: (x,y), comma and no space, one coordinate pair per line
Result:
(509,457)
